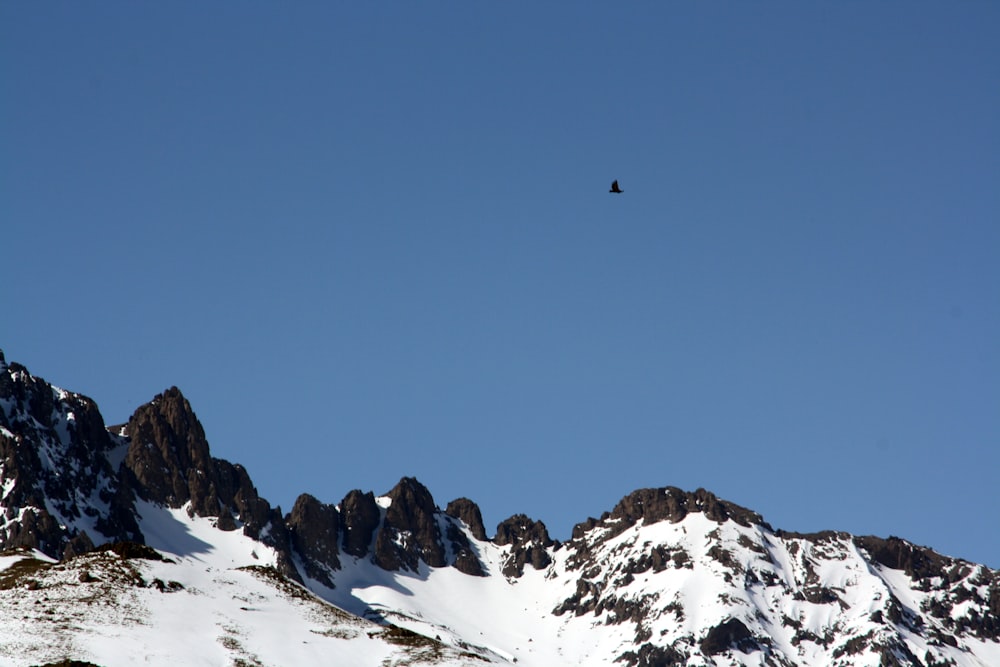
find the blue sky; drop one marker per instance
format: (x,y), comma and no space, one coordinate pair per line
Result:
(375,240)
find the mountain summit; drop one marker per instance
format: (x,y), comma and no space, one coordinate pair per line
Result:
(132,543)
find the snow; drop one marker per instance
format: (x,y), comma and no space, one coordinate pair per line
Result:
(512,619)
(187,538)
(501,619)
(8,485)
(209,609)
(217,600)
(261,627)
(228,607)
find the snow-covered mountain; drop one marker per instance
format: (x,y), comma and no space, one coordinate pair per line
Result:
(133,545)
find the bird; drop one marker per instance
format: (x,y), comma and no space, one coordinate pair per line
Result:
(615,188)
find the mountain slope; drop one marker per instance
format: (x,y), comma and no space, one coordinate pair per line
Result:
(131,605)
(202,570)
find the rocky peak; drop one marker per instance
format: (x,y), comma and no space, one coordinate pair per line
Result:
(171,464)
(409,531)
(529,540)
(666,504)
(169,453)
(468,512)
(464,511)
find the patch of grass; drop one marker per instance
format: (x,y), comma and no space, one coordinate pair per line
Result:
(421,648)
(243,658)
(335,633)
(132,550)
(280,581)
(403,637)
(230,643)
(21,574)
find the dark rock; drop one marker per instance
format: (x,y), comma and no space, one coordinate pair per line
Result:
(120,522)
(670,504)
(226,521)
(657,559)
(520,529)
(652,506)
(854,645)
(468,512)
(78,544)
(731,634)
(314,532)
(466,560)
(725,558)
(585,599)
(409,533)
(898,554)
(529,542)
(359,516)
(54,449)
(170,464)
(131,550)
(650,655)
(37,529)
(235,490)
(169,454)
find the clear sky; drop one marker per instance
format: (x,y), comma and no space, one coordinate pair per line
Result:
(370,240)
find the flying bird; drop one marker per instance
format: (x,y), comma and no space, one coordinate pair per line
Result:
(615,188)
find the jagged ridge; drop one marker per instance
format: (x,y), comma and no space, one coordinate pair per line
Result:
(69,484)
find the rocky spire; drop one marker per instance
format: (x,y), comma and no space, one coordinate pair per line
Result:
(169,454)
(409,532)
(359,517)
(170,461)
(468,512)
(314,532)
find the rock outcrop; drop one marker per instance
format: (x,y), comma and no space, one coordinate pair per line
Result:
(468,513)
(314,532)
(171,464)
(169,455)
(359,518)
(410,532)
(61,492)
(529,540)
(667,504)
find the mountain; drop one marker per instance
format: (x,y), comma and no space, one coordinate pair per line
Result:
(132,544)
